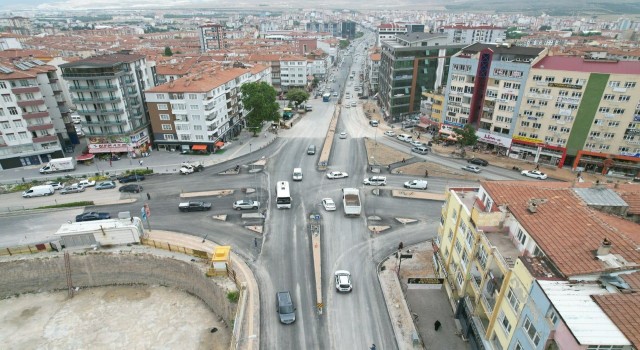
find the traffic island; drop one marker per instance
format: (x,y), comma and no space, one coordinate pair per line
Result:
(218,193)
(419,195)
(221,217)
(375,229)
(255,228)
(405,221)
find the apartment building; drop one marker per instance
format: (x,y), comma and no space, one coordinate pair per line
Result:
(348,29)
(212,37)
(467,35)
(34,117)
(108,94)
(410,64)
(527,265)
(486,85)
(203,111)
(373,71)
(431,110)
(293,73)
(581,113)
(388,31)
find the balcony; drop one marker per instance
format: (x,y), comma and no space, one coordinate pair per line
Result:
(95,99)
(106,133)
(36,127)
(36,102)
(540,96)
(25,89)
(100,112)
(47,138)
(104,122)
(34,115)
(93,88)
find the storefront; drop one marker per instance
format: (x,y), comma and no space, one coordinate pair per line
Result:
(624,165)
(493,142)
(537,151)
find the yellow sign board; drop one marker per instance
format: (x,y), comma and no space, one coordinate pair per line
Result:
(526,139)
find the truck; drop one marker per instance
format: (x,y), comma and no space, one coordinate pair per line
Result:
(351,201)
(59,164)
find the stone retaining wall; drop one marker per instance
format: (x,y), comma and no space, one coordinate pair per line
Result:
(43,273)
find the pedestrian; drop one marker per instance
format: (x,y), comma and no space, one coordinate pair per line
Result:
(255,242)
(373,347)
(148,196)
(389,167)
(437,325)
(400,246)
(426,173)
(579,174)
(403,160)
(141,162)
(537,166)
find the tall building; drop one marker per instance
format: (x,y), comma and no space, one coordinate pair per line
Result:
(411,64)
(388,31)
(467,35)
(34,118)
(203,111)
(486,86)
(348,29)
(212,37)
(108,94)
(373,72)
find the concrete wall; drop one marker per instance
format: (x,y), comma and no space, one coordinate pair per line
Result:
(40,273)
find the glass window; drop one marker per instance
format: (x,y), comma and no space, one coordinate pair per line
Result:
(163,107)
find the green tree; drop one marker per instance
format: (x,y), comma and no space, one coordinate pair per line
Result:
(298,96)
(260,100)
(344,44)
(167,51)
(544,28)
(466,136)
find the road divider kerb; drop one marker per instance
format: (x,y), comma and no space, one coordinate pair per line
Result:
(219,193)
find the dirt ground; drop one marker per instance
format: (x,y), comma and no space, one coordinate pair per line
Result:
(119,317)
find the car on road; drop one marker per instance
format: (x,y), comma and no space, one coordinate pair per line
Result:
(131,178)
(87,183)
(130,188)
(405,137)
(335,94)
(92,215)
(375,181)
(420,150)
(478,161)
(390,133)
(416,184)
(343,135)
(534,174)
(55,185)
(336,175)
(416,143)
(246,204)
(328,204)
(354,104)
(373,123)
(343,281)
(73,188)
(194,206)
(347,105)
(106,185)
(472,168)
(308,108)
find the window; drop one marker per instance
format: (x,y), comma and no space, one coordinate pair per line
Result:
(604,109)
(565,130)
(5,125)
(193,96)
(608,135)
(11,137)
(459,278)
(549,79)
(614,124)
(197,127)
(518,346)
(193,107)
(576,94)
(629,84)
(556,117)
(618,111)
(604,147)
(536,125)
(598,122)
(164,117)
(169,137)
(13,110)
(552,315)
(17,123)
(614,84)
(513,300)
(522,237)
(608,97)
(624,98)
(162,107)
(166,127)
(524,124)
(450,234)
(23,135)
(548,139)
(504,322)
(553,128)
(7,98)
(537,77)
(185,137)
(3,85)
(482,257)
(160,97)
(531,331)
(458,246)
(199,137)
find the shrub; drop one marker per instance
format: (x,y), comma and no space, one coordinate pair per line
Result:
(68,205)
(233,296)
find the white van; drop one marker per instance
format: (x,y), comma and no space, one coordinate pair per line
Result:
(35,191)
(405,137)
(297,174)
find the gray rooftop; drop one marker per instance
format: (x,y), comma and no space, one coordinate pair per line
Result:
(417,37)
(600,196)
(502,49)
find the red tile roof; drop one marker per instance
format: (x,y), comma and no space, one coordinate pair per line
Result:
(624,311)
(578,64)
(564,227)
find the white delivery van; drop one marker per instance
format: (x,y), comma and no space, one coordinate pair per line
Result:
(297,174)
(35,191)
(405,137)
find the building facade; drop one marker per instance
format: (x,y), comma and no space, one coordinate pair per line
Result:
(348,30)
(212,37)
(34,117)
(467,35)
(108,94)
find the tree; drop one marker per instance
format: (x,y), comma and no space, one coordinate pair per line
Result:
(259,99)
(298,96)
(466,136)
(544,28)
(344,43)
(167,51)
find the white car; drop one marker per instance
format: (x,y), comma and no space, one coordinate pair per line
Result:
(246,204)
(534,174)
(416,143)
(416,184)
(336,175)
(347,105)
(328,204)
(343,135)
(343,281)
(390,133)
(55,185)
(354,103)
(375,181)
(471,168)
(87,183)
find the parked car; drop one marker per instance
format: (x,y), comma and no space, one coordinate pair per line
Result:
(105,185)
(390,133)
(420,150)
(246,204)
(405,137)
(73,188)
(87,183)
(92,215)
(416,184)
(343,281)
(130,188)
(194,206)
(55,185)
(131,178)
(478,161)
(375,181)
(343,135)
(354,104)
(416,143)
(534,174)
(308,108)
(373,123)
(336,175)
(471,168)
(328,204)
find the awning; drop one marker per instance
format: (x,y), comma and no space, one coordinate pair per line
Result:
(219,144)
(84,157)
(199,148)
(109,150)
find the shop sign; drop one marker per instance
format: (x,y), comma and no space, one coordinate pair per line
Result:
(454,124)
(493,139)
(106,145)
(630,154)
(565,86)
(526,139)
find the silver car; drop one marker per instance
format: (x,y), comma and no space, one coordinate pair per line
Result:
(246,204)
(75,188)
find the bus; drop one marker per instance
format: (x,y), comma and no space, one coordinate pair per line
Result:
(326,97)
(283,197)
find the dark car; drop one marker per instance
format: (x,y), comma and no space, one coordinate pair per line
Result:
(131,178)
(194,206)
(131,188)
(478,161)
(92,215)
